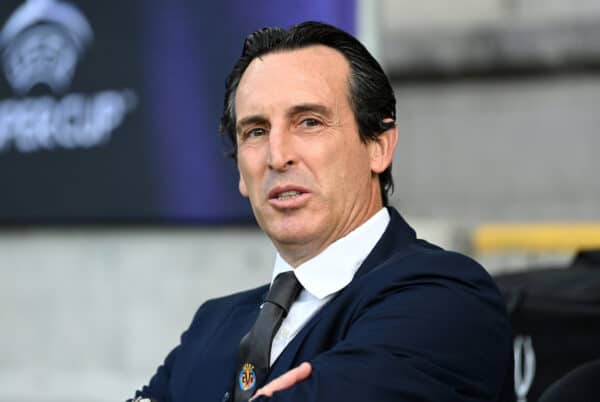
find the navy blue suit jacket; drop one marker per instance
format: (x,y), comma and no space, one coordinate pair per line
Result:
(416,323)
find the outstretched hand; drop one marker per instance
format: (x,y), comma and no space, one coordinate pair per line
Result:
(285,381)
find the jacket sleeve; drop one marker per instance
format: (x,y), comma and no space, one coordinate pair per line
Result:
(158,387)
(429,339)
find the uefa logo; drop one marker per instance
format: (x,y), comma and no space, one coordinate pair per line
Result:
(42,43)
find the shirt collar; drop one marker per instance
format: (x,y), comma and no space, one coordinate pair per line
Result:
(334,268)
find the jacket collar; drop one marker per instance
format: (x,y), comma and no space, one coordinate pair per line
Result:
(397,235)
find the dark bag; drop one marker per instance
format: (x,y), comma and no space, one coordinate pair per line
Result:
(555,314)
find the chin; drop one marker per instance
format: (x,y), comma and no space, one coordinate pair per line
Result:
(290,234)
(296,227)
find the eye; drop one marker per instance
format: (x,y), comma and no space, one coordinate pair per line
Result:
(254,132)
(310,122)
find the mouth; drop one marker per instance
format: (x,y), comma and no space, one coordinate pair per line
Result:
(288,197)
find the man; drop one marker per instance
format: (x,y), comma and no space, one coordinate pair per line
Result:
(381,316)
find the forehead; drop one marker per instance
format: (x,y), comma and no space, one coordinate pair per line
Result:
(315,74)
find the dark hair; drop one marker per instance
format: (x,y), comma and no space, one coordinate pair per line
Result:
(370,93)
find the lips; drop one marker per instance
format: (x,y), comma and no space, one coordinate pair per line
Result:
(288,196)
(286,192)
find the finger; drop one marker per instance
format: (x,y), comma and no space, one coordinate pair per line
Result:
(285,381)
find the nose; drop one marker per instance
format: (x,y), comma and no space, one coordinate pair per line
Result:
(281,150)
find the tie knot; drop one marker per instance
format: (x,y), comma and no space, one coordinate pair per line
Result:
(284,290)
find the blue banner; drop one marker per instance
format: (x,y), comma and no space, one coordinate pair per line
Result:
(109,110)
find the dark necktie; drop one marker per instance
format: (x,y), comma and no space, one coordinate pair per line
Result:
(255,347)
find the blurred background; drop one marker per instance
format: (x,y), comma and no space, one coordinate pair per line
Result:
(119,213)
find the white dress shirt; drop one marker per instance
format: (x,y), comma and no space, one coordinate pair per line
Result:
(326,274)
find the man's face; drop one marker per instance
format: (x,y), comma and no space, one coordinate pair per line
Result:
(309,177)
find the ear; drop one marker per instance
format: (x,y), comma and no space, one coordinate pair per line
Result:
(242,186)
(381,150)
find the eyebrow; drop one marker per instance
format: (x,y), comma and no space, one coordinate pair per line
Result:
(309,107)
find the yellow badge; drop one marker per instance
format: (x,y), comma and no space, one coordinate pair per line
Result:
(247,377)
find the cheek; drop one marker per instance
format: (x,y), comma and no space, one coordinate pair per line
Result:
(357,169)
(249,165)
(346,172)
(242,185)
(338,163)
